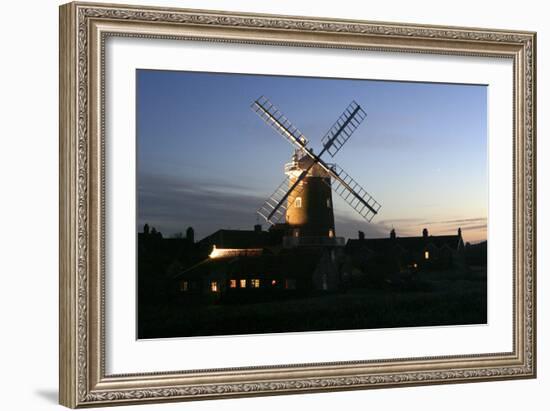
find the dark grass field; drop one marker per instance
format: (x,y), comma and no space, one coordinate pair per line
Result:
(433,298)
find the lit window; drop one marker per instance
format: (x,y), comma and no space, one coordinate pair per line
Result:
(415,265)
(329,205)
(331,233)
(298,202)
(290,284)
(184,286)
(426,255)
(232,283)
(296,232)
(242,283)
(255,283)
(214,286)
(273,283)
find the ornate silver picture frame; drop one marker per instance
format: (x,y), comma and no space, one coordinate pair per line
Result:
(84,30)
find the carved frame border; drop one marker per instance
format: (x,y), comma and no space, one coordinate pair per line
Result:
(83,30)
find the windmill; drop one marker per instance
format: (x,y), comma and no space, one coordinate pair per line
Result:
(304,198)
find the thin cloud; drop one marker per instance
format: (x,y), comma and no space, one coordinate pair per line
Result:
(464,220)
(172,204)
(397,221)
(475,227)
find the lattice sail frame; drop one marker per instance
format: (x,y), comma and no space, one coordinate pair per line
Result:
(343,128)
(276,120)
(368,210)
(273,210)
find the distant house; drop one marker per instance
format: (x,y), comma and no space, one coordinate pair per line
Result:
(407,254)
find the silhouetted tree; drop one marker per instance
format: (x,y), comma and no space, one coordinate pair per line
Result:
(156,233)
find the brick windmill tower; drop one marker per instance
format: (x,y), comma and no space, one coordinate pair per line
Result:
(309,211)
(304,198)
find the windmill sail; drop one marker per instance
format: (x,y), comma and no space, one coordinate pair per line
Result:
(275,119)
(353,194)
(356,196)
(343,128)
(274,208)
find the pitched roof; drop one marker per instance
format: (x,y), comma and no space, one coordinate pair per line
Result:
(238,239)
(407,243)
(288,263)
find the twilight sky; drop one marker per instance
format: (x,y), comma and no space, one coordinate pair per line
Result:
(206,160)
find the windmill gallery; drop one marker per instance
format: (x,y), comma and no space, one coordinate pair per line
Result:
(300,258)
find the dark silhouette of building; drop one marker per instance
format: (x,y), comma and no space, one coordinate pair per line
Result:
(476,254)
(190,234)
(407,254)
(233,261)
(158,259)
(237,260)
(262,273)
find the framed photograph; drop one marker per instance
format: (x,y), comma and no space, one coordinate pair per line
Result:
(259,204)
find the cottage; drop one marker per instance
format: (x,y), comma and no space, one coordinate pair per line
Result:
(407,254)
(242,272)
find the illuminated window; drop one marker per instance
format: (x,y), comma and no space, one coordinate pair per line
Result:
(298,202)
(296,232)
(329,204)
(273,283)
(214,286)
(426,255)
(415,265)
(232,283)
(290,284)
(255,283)
(242,283)
(331,233)
(184,286)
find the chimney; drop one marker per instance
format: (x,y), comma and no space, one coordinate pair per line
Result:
(361,235)
(392,234)
(258,228)
(190,234)
(425,233)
